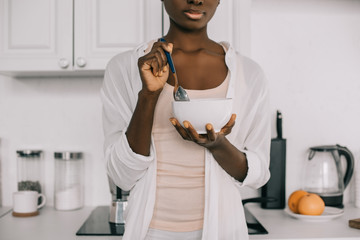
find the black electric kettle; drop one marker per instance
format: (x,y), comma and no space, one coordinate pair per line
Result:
(325,175)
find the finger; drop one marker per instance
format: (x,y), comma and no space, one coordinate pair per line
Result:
(160,63)
(179,128)
(165,69)
(229,125)
(191,131)
(169,47)
(164,45)
(155,66)
(146,66)
(162,56)
(210,132)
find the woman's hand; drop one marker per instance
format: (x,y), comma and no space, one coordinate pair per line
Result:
(153,67)
(209,140)
(233,161)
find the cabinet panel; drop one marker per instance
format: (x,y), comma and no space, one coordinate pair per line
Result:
(26,31)
(34,35)
(104,28)
(115,23)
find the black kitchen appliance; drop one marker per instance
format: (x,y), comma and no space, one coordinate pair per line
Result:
(275,187)
(97,224)
(107,220)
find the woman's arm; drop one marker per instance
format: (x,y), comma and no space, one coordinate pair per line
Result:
(139,130)
(154,74)
(232,160)
(128,153)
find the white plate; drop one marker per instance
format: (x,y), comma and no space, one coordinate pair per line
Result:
(328,214)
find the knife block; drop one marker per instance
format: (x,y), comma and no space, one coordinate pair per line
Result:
(275,187)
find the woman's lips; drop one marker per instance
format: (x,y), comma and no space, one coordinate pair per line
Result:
(194,15)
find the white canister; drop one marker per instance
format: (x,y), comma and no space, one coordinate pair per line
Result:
(69,181)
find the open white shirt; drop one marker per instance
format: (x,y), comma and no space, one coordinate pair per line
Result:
(223,215)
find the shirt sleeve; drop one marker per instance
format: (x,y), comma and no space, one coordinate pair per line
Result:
(257,146)
(255,127)
(119,95)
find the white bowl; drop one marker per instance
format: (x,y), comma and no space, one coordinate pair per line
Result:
(200,112)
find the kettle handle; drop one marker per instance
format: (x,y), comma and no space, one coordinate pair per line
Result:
(349,163)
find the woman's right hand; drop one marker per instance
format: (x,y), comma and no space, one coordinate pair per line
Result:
(153,67)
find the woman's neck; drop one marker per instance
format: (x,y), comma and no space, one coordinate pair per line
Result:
(188,40)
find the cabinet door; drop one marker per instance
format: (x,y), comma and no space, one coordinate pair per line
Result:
(35,35)
(104,28)
(230,23)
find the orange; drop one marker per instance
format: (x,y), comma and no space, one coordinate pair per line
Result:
(311,204)
(294,199)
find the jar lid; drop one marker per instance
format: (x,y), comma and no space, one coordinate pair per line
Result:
(68,155)
(29,153)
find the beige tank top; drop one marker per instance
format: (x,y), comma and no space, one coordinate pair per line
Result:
(180,185)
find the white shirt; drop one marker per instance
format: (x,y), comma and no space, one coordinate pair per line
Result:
(223,215)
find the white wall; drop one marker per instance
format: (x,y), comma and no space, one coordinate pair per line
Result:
(52,114)
(309,49)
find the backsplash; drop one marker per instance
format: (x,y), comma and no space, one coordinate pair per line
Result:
(53,114)
(310,52)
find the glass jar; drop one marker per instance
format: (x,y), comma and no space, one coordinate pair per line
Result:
(30,170)
(69,180)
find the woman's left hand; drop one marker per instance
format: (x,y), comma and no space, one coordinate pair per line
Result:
(209,140)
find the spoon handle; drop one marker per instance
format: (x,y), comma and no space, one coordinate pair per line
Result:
(169,58)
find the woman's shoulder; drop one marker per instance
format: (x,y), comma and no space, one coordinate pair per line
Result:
(252,71)
(250,66)
(235,56)
(120,59)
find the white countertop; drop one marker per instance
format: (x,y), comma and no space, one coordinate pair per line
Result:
(48,225)
(282,226)
(4,211)
(63,225)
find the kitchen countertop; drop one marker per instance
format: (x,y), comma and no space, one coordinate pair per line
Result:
(60,225)
(4,211)
(49,224)
(282,226)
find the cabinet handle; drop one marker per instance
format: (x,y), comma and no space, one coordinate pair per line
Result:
(64,63)
(81,62)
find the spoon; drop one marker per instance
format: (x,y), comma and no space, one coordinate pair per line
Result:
(179,92)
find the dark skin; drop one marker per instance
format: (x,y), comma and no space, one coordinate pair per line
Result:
(200,64)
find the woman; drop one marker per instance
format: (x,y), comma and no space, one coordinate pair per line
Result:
(184,185)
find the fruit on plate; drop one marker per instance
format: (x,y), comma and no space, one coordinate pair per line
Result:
(294,200)
(311,204)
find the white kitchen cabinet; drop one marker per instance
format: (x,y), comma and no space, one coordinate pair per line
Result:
(35,35)
(72,37)
(78,37)
(103,28)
